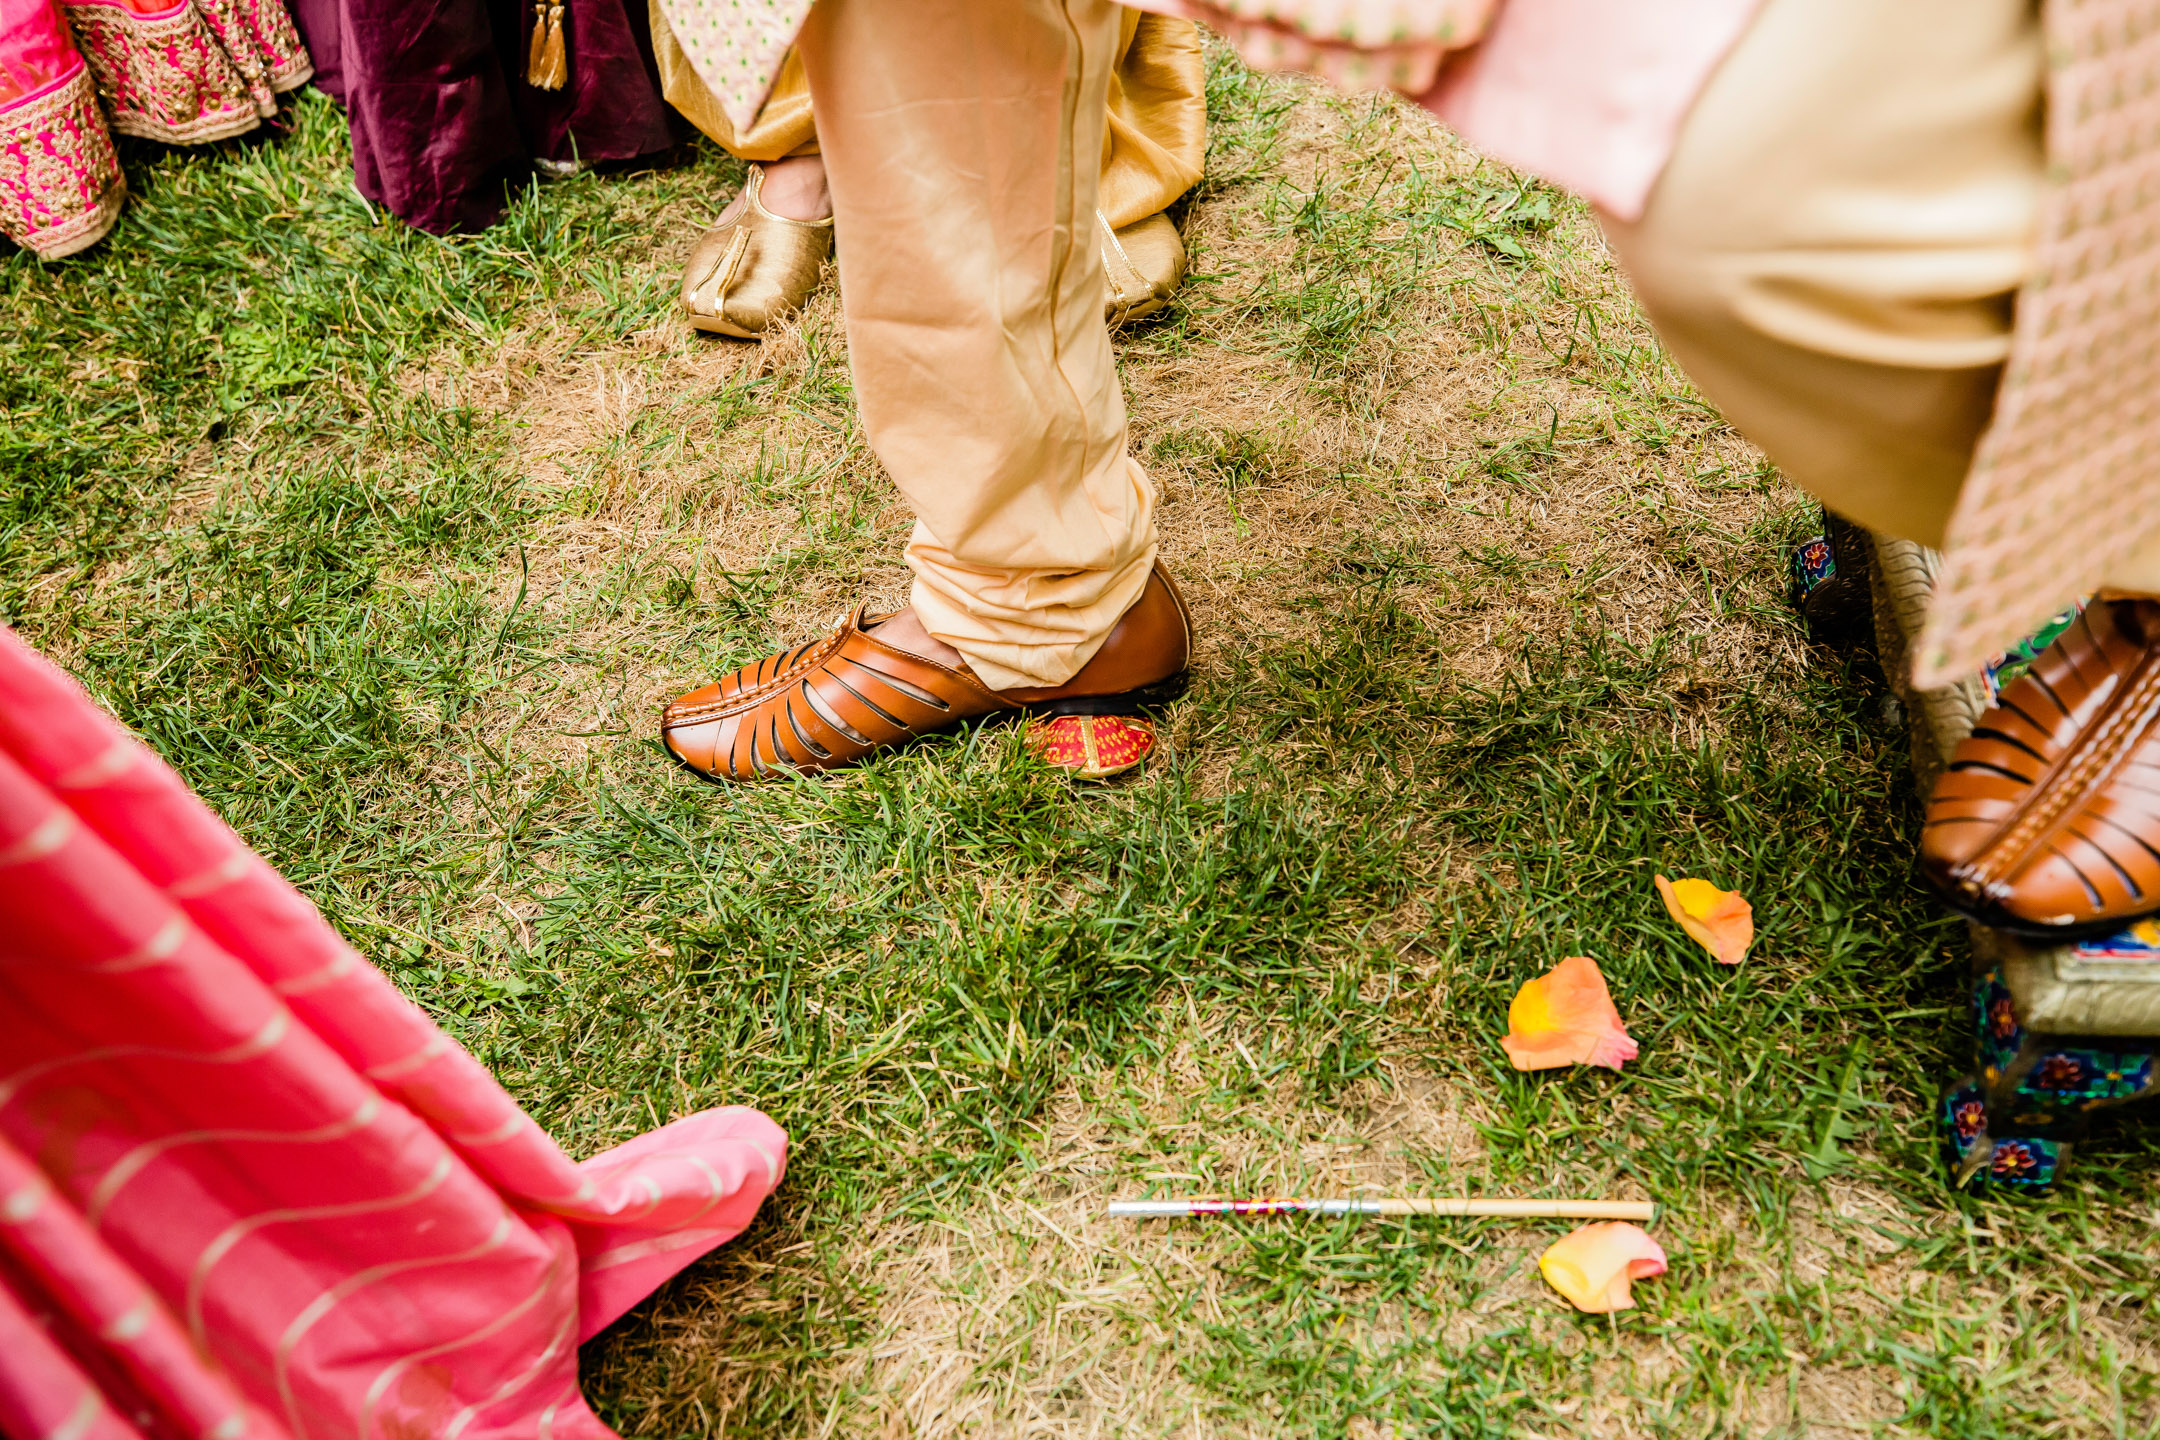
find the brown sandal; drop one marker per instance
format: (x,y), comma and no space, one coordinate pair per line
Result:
(835,700)
(2047,821)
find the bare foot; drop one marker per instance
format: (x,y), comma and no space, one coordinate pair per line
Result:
(903,631)
(795,188)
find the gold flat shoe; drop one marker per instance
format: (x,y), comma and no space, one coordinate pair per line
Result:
(750,271)
(1142,265)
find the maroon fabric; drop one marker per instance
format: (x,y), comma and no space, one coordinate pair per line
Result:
(442,119)
(318,22)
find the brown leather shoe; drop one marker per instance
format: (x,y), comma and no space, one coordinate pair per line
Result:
(2047,822)
(836,700)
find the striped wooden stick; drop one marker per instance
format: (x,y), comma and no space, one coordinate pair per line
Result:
(1538,1209)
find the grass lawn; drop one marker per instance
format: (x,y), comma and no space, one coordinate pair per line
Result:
(393,546)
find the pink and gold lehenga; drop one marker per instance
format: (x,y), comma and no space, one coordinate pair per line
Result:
(73,72)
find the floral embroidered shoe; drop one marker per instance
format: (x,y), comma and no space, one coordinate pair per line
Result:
(833,701)
(1093,747)
(2047,821)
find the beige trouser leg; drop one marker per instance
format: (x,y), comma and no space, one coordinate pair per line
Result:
(1832,252)
(963,141)
(1153,147)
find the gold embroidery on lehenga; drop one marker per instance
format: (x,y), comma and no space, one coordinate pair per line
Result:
(164,76)
(60,182)
(263,44)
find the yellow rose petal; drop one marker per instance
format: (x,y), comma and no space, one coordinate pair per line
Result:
(1720,920)
(1594,1266)
(1566,1017)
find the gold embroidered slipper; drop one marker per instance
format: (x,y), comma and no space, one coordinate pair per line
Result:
(1143,265)
(750,272)
(835,700)
(2047,821)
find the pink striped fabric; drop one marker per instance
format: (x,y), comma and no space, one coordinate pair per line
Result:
(247,1189)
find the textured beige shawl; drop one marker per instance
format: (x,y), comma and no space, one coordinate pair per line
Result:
(2066,486)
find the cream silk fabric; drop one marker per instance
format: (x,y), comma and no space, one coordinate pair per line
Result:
(963,142)
(1931,297)
(1153,151)
(1833,250)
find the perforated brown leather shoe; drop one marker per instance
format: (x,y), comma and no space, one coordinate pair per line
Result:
(838,699)
(2047,821)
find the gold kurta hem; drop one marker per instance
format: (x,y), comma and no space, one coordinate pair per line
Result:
(784,126)
(1154,148)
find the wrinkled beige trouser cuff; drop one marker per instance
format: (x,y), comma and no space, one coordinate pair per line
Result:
(963,141)
(1833,249)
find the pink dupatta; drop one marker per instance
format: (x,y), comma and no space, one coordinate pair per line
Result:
(247,1188)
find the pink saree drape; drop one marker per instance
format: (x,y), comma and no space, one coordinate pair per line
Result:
(247,1189)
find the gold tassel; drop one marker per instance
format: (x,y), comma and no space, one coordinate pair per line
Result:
(547,67)
(533,47)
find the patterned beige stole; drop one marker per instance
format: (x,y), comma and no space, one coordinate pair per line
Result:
(2066,485)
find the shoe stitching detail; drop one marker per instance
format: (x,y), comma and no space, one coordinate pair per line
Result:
(748,697)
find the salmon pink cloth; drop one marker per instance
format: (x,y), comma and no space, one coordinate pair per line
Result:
(247,1189)
(1589,94)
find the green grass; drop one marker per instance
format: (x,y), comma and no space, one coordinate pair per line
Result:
(277,483)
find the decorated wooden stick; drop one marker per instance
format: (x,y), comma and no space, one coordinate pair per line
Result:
(1540,1209)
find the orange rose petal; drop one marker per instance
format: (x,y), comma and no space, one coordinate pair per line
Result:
(1721,921)
(1566,1017)
(1593,1266)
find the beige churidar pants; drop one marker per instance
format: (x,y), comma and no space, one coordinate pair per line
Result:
(962,141)
(1153,151)
(1832,251)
